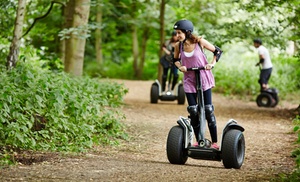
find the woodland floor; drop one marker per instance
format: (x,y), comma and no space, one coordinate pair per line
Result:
(268,135)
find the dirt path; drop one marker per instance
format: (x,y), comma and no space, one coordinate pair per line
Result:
(267,134)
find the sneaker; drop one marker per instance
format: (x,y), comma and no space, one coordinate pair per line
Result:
(215,146)
(195,144)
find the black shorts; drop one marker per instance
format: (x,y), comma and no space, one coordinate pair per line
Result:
(265,75)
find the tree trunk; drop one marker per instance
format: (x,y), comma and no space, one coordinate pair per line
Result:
(98,37)
(68,15)
(75,45)
(13,55)
(145,38)
(162,36)
(135,50)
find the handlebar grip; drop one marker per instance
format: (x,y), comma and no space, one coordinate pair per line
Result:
(195,69)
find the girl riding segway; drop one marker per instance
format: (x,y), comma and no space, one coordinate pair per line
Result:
(167,63)
(190,51)
(198,81)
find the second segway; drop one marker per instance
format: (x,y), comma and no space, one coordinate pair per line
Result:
(268,98)
(156,92)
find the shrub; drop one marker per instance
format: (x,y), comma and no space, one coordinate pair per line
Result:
(296,152)
(295,175)
(42,110)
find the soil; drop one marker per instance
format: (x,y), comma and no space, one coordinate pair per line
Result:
(268,135)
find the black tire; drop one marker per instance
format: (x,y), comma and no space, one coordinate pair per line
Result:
(175,146)
(154,93)
(275,100)
(264,100)
(233,149)
(181,95)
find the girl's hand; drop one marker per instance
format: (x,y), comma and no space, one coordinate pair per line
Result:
(182,69)
(209,66)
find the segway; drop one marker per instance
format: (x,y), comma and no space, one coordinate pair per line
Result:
(180,138)
(268,98)
(156,92)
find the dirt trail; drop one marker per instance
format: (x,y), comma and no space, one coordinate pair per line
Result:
(267,134)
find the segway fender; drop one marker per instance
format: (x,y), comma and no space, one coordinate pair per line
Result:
(159,86)
(188,131)
(230,125)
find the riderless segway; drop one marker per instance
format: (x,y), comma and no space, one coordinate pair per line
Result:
(180,138)
(267,98)
(157,93)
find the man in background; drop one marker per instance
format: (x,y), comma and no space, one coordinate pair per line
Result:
(265,62)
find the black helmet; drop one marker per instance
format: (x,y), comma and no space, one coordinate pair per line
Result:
(257,40)
(185,25)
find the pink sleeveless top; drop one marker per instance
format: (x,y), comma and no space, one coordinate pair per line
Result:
(198,59)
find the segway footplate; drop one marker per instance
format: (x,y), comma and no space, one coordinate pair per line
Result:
(204,153)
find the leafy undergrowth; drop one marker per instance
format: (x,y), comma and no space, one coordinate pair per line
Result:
(46,111)
(295,175)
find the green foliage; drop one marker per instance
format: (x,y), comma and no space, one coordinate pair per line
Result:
(295,175)
(296,152)
(6,157)
(4,48)
(40,110)
(110,69)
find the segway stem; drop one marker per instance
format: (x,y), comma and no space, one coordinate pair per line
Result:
(201,109)
(170,79)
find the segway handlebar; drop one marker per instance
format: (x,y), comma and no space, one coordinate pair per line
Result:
(195,69)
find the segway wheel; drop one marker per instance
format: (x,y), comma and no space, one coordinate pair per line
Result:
(264,100)
(233,149)
(176,152)
(181,95)
(275,100)
(154,93)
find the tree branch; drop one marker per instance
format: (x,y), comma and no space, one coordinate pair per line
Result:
(43,16)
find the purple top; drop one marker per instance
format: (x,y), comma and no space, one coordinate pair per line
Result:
(198,59)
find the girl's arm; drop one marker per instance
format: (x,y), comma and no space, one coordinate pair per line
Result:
(214,49)
(166,50)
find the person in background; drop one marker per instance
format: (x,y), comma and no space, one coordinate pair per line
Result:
(167,61)
(265,62)
(188,54)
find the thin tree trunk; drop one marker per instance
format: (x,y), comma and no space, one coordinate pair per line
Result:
(68,15)
(162,35)
(75,45)
(13,55)
(135,49)
(98,37)
(145,38)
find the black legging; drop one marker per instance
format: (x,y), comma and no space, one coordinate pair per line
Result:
(210,117)
(174,71)
(192,98)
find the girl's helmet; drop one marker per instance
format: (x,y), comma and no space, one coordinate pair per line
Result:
(184,25)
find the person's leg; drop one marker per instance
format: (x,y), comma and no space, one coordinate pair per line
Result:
(264,75)
(175,76)
(260,81)
(193,111)
(210,116)
(164,78)
(268,75)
